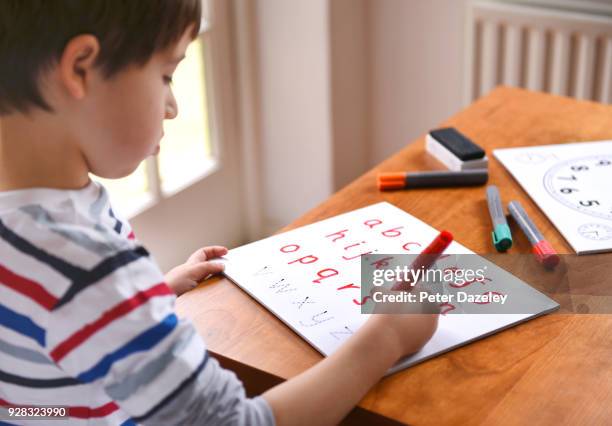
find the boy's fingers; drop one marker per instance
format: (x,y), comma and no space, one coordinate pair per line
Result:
(207,253)
(217,251)
(201,270)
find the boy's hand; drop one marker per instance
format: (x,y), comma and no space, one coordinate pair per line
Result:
(187,276)
(354,367)
(408,326)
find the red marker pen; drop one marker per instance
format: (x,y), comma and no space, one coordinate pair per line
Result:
(427,257)
(543,251)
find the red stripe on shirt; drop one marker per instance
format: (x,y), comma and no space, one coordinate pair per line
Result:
(87,412)
(106,318)
(27,287)
(79,412)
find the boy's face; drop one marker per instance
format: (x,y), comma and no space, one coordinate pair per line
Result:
(121,119)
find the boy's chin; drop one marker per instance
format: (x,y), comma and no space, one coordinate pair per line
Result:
(116,173)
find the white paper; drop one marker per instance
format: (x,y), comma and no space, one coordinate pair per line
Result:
(572,184)
(327,312)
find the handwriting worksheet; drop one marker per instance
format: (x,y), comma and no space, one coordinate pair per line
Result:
(310,278)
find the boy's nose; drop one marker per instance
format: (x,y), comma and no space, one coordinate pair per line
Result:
(171,108)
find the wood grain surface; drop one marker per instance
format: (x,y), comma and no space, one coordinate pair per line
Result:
(555,369)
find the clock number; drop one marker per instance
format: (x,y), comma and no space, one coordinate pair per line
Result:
(567,178)
(589,203)
(604,163)
(579,168)
(568,190)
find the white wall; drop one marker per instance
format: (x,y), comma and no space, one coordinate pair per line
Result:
(293,38)
(343,84)
(350,89)
(416,69)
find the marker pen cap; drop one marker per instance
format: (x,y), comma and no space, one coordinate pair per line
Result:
(546,254)
(502,237)
(387,181)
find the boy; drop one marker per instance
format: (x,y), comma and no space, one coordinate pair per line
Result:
(86,318)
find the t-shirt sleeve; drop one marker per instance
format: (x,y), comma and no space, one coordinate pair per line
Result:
(121,333)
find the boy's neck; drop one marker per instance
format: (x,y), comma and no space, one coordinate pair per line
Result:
(38,153)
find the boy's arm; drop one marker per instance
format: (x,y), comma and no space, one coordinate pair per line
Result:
(122,334)
(211,395)
(336,384)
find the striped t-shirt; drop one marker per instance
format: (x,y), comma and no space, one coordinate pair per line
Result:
(87,322)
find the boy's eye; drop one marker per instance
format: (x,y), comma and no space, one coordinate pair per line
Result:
(168,79)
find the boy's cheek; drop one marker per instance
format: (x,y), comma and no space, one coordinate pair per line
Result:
(113,158)
(127,127)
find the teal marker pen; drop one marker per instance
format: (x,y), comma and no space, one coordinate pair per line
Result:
(502,237)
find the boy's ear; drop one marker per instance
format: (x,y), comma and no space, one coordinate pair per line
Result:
(77,63)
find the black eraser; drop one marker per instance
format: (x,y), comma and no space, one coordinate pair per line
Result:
(457,143)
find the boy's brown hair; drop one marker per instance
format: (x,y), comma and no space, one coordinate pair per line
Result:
(34,33)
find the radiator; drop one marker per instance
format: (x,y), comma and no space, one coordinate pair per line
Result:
(541,49)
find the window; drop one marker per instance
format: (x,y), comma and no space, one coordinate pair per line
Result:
(186,153)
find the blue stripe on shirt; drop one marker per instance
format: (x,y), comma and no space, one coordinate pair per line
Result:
(81,278)
(143,342)
(66,269)
(104,268)
(37,383)
(22,325)
(118,224)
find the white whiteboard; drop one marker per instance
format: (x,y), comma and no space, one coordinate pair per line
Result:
(281,273)
(572,184)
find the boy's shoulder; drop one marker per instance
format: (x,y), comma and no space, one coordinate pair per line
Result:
(79,225)
(63,241)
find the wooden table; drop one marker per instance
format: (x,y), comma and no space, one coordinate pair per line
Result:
(554,369)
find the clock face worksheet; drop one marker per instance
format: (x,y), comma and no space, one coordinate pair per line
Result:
(572,184)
